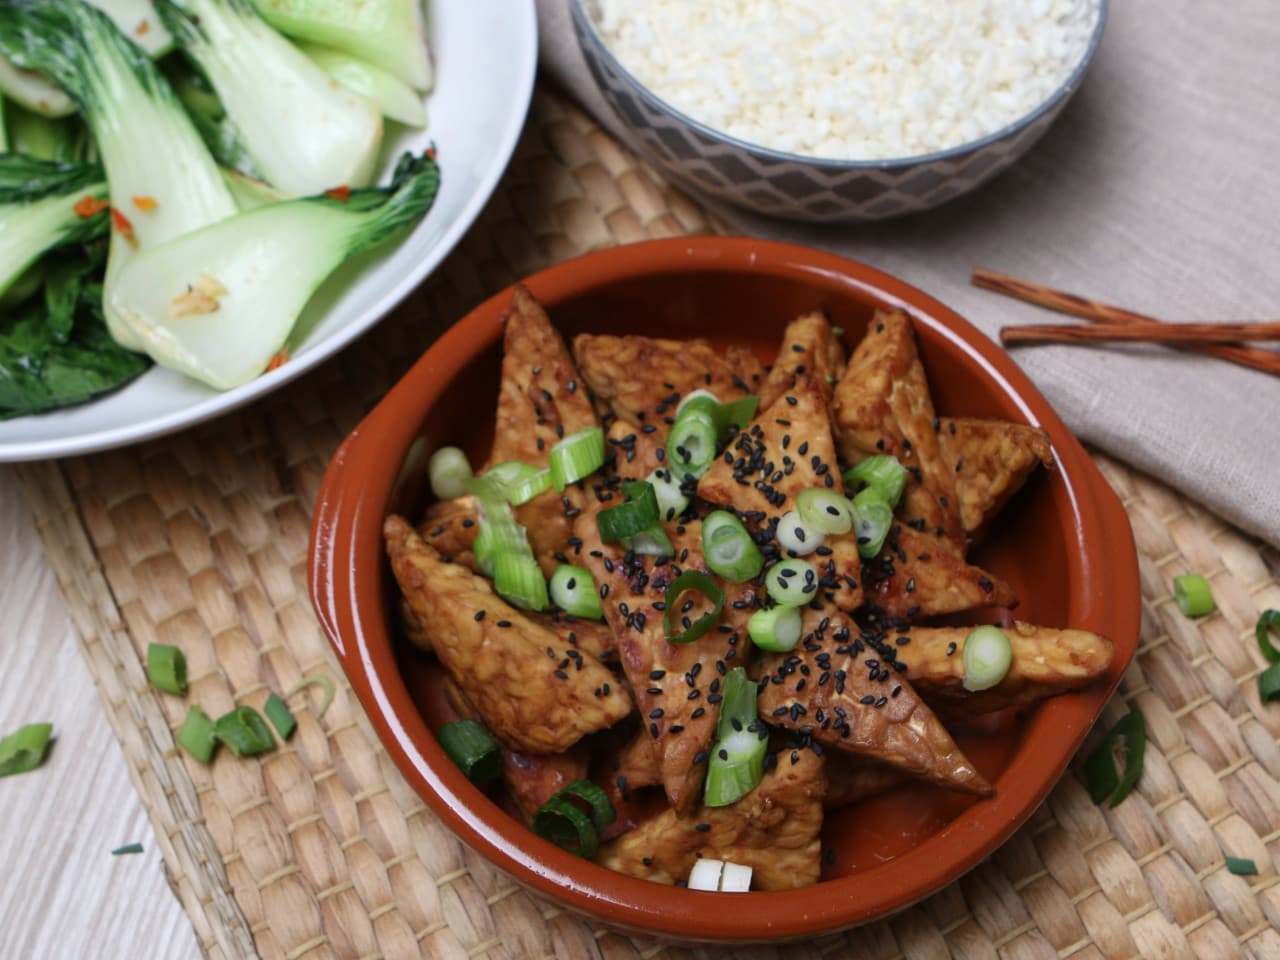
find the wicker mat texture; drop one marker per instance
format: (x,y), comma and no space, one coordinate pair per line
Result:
(320,849)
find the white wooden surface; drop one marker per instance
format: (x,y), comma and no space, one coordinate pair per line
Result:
(62,893)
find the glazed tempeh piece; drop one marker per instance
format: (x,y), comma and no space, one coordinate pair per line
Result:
(774,830)
(991,460)
(1046,661)
(636,453)
(531,779)
(882,405)
(504,664)
(450,526)
(919,574)
(642,379)
(637,764)
(845,693)
(809,345)
(675,685)
(539,398)
(850,779)
(785,450)
(587,636)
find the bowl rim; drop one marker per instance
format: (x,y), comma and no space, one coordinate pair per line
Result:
(586,26)
(346,577)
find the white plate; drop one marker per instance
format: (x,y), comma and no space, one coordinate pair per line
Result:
(485,56)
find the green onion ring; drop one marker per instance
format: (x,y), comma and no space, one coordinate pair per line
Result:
(244,731)
(987,657)
(825,510)
(573,590)
(197,736)
(167,668)
(472,748)
(728,549)
(776,629)
(637,513)
(1192,594)
(1270,620)
(447,469)
(24,749)
(701,583)
(792,583)
(1100,766)
(882,473)
(577,456)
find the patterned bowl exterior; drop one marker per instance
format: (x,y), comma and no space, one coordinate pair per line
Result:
(794,187)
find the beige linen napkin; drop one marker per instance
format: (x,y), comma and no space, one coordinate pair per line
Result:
(1155,190)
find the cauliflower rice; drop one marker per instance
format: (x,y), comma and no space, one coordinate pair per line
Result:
(851,79)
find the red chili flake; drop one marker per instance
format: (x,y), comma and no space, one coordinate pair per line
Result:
(145,202)
(430,152)
(86,207)
(342,193)
(278,360)
(121,223)
(143,27)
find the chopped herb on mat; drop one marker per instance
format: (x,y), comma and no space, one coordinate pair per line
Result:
(127,848)
(280,716)
(321,680)
(167,668)
(245,732)
(1104,782)
(1242,866)
(24,749)
(1269,679)
(1192,594)
(197,735)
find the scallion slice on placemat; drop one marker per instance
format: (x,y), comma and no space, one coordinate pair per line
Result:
(24,749)
(127,848)
(1269,621)
(1104,781)
(1242,866)
(167,668)
(281,717)
(698,582)
(245,732)
(1192,594)
(197,734)
(472,748)
(321,680)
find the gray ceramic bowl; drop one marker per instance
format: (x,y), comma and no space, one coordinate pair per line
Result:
(706,161)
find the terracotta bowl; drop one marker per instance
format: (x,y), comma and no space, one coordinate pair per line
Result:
(1064,543)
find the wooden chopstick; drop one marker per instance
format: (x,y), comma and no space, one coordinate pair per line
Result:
(1108,314)
(1142,333)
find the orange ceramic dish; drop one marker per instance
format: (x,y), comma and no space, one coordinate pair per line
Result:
(1064,544)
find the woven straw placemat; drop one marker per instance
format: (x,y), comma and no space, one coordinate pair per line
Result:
(321,849)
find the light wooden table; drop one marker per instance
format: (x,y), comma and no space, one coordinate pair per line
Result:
(62,893)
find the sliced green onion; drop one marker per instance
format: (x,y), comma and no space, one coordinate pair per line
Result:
(564,822)
(197,734)
(792,582)
(825,510)
(776,628)
(736,414)
(574,591)
(872,519)
(737,757)
(244,731)
(653,542)
(280,716)
(518,579)
(1269,683)
(495,483)
(484,549)
(672,500)
(728,549)
(321,680)
(698,582)
(987,658)
(24,749)
(699,401)
(736,878)
(577,456)
(472,747)
(1193,596)
(639,511)
(167,668)
(1242,866)
(705,874)
(1130,733)
(447,469)
(882,473)
(691,444)
(522,491)
(127,848)
(796,537)
(1270,620)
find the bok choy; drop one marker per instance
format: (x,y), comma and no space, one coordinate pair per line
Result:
(219,303)
(304,133)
